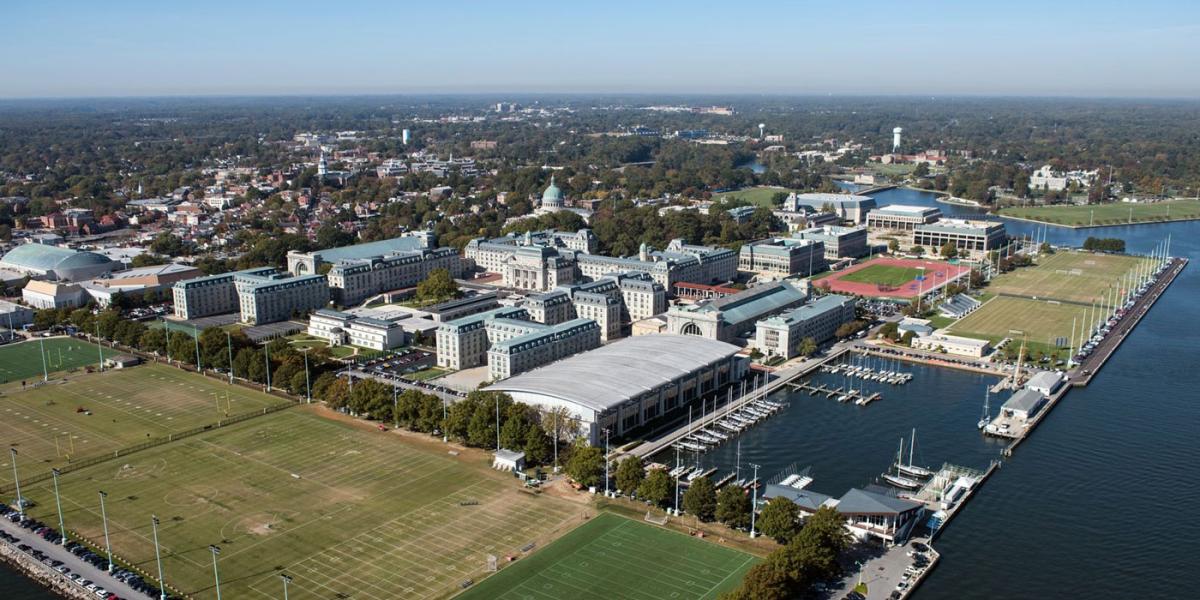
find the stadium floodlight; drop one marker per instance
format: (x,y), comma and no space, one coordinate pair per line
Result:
(216,576)
(497,422)
(17,482)
(229,349)
(446,438)
(267,363)
(42,351)
(307,385)
(286,580)
(58,504)
(196,341)
(606,492)
(395,402)
(677,481)
(99,347)
(104,518)
(754,500)
(162,585)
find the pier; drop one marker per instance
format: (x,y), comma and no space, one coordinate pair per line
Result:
(774,382)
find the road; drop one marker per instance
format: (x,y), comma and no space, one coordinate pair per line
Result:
(76,564)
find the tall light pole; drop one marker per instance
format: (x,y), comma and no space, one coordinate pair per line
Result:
(196,339)
(162,585)
(229,349)
(753,500)
(677,481)
(307,384)
(267,363)
(58,504)
(17,482)
(445,437)
(42,351)
(606,493)
(99,347)
(216,577)
(395,403)
(104,518)
(286,580)
(497,422)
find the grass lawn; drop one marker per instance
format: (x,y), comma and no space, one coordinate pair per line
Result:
(24,360)
(892,169)
(1107,214)
(756,195)
(939,321)
(344,509)
(882,274)
(128,407)
(615,557)
(1040,321)
(426,374)
(1069,276)
(342,351)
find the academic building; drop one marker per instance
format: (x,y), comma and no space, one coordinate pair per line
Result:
(782,334)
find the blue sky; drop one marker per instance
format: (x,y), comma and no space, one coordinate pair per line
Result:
(218,47)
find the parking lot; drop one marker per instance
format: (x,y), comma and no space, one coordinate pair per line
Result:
(72,562)
(890,574)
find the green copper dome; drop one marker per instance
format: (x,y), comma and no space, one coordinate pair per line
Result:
(552,192)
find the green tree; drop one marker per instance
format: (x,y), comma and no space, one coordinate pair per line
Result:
(586,465)
(949,250)
(808,346)
(182,347)
(537,444)
(733,507)
(630,473)
(768,580)
(700,499)
(918,250)
(779,520)
(893,246)
(437,287)
(656,487)
(153,340)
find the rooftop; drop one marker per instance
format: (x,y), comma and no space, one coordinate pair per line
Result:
(1023,400)
(862,502)
(753,303)
(907,209)
(961,226)
(643,363)
(369,249)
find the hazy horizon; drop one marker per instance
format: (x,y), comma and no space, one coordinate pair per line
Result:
(1071,49)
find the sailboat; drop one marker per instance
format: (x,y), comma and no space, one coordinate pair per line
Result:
(987,411)
(897,479)
(909,468)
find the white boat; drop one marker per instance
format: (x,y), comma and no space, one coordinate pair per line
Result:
(897,479)
(909,469)
(802,482)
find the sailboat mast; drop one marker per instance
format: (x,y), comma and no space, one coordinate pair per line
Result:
(912,444)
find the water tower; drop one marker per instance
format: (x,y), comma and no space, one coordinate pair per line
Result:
(762,127)
(896,138)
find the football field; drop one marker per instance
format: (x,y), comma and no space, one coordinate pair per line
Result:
(24,360)
(1068,276)
(1039,322)
(97,413)
(883,275)
(614,557)
(346,510)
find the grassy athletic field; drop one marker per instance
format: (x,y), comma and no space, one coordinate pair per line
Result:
(614,557)
(346,510)
(882,274)
(128,407)
(1041,321)
(1070,276)
(757,195)
(24,360)
(1108,214)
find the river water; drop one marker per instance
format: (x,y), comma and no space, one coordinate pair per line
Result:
(1097,503)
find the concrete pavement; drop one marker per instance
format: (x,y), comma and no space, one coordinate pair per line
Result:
(76,564)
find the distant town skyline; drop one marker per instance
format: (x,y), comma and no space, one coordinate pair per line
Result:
(1022,48)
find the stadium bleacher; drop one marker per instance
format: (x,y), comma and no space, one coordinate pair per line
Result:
(958,306)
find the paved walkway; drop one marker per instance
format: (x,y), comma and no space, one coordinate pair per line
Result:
(76,564)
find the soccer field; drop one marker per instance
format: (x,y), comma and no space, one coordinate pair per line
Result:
(760,196)
(344,509)
(127,406)
(1107,214)
(1040,322)
(614,557)
(1070,276)
(24,360)
(883,275)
